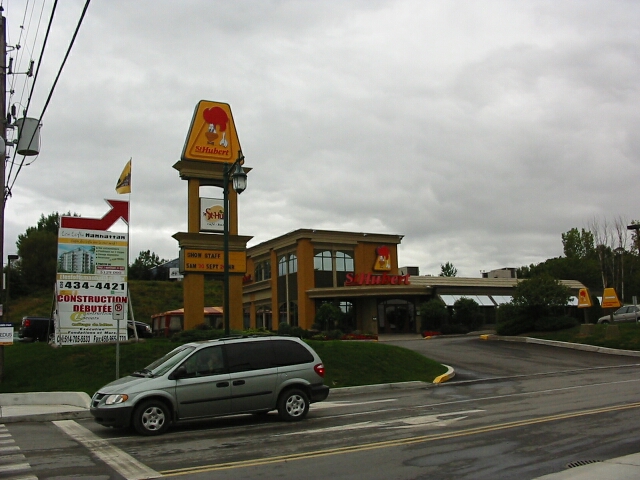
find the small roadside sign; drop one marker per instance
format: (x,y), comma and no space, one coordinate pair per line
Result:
(118,311)
(6,334)
(610,299)
(584,299)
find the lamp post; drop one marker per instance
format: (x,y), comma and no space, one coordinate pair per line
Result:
(239,179)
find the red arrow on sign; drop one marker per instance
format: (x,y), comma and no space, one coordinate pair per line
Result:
(119,209)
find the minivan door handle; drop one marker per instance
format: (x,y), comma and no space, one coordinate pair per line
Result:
(222,384)
(238,382)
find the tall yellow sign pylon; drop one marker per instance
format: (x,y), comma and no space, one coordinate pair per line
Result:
(211,144)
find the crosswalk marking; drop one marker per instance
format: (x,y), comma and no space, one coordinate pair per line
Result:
(120,461)
(16,467)
(11,460)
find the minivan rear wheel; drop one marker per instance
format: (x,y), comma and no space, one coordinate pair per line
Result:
(293,405)
(151,418)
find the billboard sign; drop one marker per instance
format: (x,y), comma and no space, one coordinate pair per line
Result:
(91,278)
(212,136)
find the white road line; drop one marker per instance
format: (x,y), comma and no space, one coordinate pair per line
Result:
(16,467)
(346,403)
(436,420)
(13,448)
(7,441)
(15,457)
(122,462)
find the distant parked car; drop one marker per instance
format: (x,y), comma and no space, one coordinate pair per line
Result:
(628,313)
(35,329)
(143,329)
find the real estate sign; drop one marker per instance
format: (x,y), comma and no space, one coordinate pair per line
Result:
(91,279)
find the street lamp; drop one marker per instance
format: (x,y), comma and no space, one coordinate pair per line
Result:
(236,173)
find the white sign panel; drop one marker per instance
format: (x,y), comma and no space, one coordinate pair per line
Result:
(91,278)
(211,215)
(174,273)
(6,334)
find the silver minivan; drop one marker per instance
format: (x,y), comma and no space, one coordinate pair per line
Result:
(213,378)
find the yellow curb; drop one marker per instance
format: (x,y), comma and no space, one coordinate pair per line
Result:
(445,376)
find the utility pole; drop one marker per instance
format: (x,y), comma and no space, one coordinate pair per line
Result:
(3,133)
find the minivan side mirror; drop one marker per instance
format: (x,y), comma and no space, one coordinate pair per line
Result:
(178,373)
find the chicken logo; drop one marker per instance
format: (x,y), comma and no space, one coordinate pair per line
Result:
(383,259)
(217,120)
(584,299)
(212,135)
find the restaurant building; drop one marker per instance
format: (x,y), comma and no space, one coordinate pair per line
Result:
(289,277)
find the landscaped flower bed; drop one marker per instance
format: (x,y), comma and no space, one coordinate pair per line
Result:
(430,333)
(360,336)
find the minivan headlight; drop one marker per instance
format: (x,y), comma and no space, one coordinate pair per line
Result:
(115,399)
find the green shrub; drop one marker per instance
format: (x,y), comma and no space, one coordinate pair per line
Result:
(196,335)
(433,314)
(466,312)
(511,321)
(454,329)
(284,328)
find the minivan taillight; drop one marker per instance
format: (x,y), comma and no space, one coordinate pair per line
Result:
(319,368)
(26,322)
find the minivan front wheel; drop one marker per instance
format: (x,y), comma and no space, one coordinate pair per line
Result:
(151,418)
(293,405)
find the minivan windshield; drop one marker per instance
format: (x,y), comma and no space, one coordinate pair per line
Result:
(170,360)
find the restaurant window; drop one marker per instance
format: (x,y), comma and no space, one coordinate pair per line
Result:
(331,268)
(266,269)
(263,271)
(289,314)
(344,265)
(263,317)
(323,269)
(287,286)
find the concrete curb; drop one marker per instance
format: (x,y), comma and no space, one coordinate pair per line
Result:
(44,417)
(555,343)
(343,391)
(450,373)
(43,406)
(445,376)
(75,399)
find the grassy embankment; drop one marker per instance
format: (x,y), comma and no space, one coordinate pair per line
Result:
(628,337)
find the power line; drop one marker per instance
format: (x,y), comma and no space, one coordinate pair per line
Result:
(52,89)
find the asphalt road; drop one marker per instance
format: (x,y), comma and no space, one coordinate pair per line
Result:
(514,411)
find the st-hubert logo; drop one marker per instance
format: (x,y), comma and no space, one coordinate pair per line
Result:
(383,259)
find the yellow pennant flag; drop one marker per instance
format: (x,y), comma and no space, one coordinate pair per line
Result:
(124,182)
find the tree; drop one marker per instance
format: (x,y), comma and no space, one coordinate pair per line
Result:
(538,304)
(38,251)
(466,312)
(328,317)
(448,270)
(140,269)
(433,314)
(578,244)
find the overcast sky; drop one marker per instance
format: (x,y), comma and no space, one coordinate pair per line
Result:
(479,130)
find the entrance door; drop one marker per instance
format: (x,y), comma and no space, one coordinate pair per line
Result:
(396,316)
